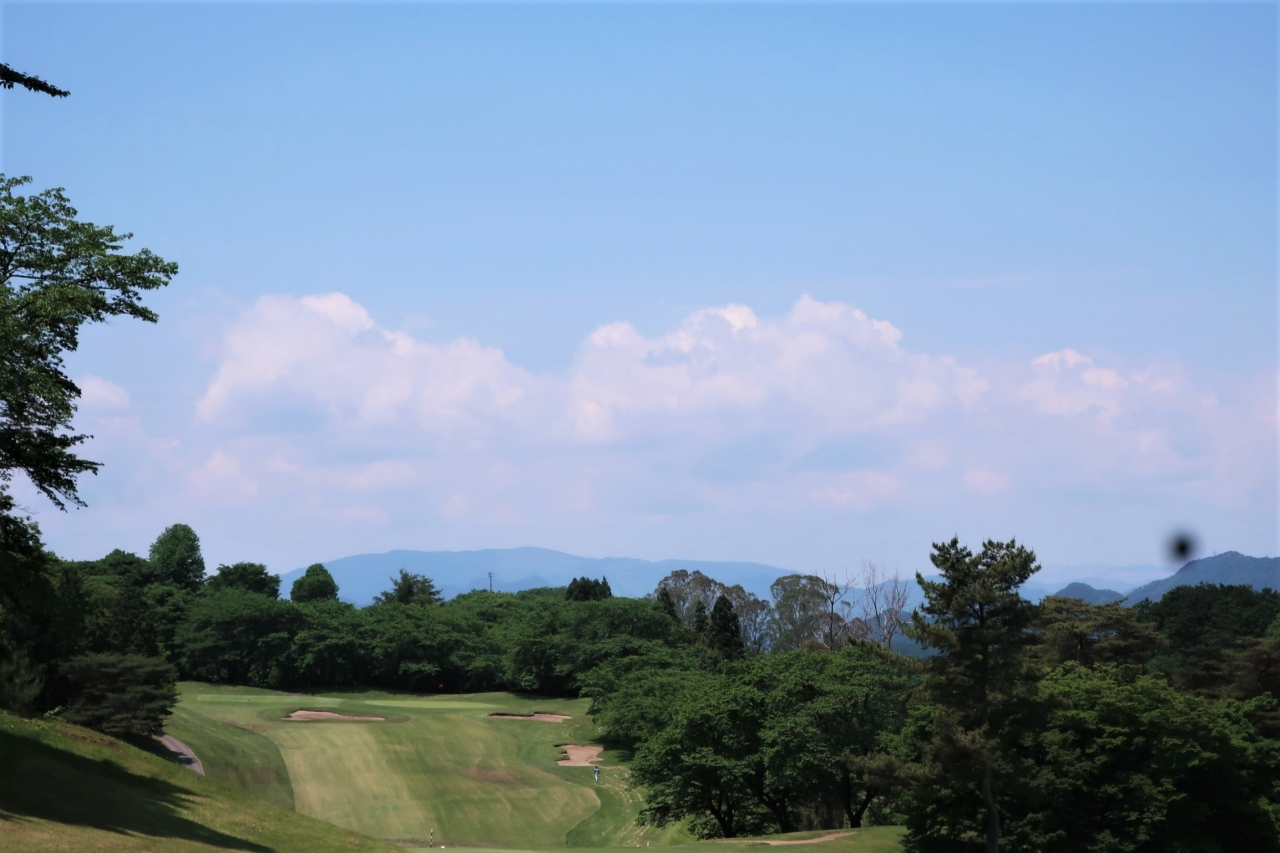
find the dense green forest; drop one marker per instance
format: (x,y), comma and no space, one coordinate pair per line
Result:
(1052,726)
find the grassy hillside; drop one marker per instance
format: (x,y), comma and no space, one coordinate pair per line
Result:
(64,788)
(434,763)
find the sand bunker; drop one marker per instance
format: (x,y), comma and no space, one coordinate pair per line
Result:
(326,715)
(578,756)
(546,718)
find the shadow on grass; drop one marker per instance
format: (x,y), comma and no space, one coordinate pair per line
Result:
(39,781)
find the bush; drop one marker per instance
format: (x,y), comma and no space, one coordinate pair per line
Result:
(120,694)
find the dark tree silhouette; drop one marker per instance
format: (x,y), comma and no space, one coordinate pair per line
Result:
(10,78)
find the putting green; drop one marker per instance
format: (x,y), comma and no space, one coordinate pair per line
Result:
(438,768)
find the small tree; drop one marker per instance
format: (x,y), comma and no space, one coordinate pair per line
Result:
(316,584)
(120,694)
(410,589)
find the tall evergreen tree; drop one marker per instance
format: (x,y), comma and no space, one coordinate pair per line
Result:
(981,628)
(724,633)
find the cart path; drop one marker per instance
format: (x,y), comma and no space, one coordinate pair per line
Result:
(186,757)
(831,836)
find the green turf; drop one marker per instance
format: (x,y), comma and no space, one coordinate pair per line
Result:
(64,789)
(878,839)
(438,768)
(238,756)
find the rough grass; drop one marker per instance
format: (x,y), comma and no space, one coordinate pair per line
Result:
(68,789)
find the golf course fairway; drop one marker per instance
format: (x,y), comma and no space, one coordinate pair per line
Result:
(433,768)
(419,770)
(442,770)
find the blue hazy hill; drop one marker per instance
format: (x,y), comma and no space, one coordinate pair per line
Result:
(1231,567)
(362,576)
(1089,593)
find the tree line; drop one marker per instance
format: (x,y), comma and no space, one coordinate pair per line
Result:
(1056,726)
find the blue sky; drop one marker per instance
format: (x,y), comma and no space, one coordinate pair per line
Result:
(806,285)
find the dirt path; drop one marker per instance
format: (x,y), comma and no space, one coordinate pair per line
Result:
(186,757)
(830,836)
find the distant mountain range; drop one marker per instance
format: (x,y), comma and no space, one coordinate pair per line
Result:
(1230,567)
(362,576)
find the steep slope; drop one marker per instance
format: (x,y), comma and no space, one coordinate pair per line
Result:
(64,788)
(1231,567)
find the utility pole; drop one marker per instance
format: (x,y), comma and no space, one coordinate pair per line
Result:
(490,581)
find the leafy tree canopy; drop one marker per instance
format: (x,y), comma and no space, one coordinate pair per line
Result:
(1070,629)
(56,274)
(316,584)
(251,577)
(410,589)
(176,559)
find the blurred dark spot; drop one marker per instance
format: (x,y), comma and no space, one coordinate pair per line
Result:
(1182,547)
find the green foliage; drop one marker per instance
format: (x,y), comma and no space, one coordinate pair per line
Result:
(724,633)
(1216,638)
(667,603)
(316,584)
(410,589)
(1213,615)
(251,577)
(176,559)
(237,637)
(980,678)
(41,614)
(1119,762)
(119,694)
(588,589)
(1070,629)
(775,743)
(56,274)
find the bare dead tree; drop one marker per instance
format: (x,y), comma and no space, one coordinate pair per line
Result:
(884,598)
(835,627)
(897,591)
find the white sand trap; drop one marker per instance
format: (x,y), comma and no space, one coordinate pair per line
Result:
(578,756)
(538,715)
(304,714)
